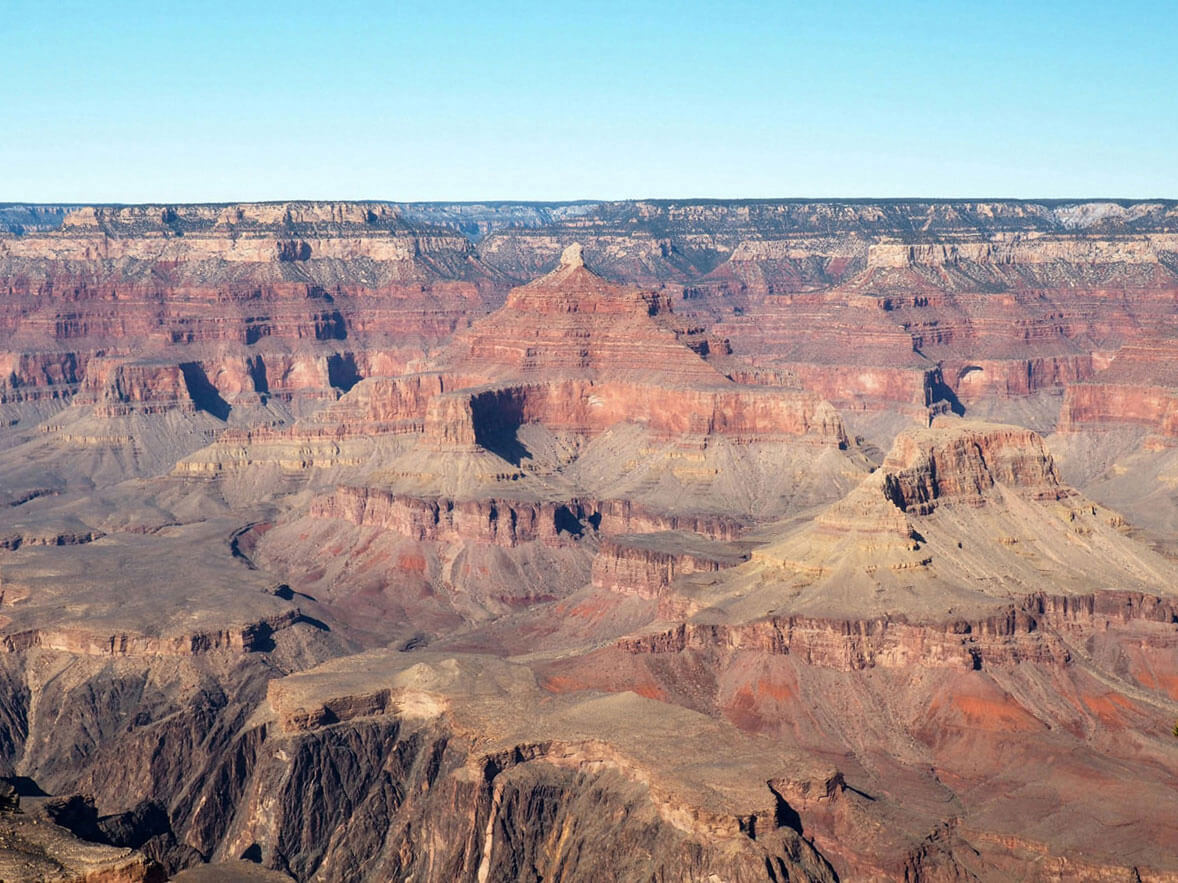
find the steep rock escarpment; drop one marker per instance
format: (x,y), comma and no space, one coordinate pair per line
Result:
(1011,298)
(458,790)
(1138,388)
(1026,630)
(499,522)
(962,465)
(138,734)
(246,314)
(647,564)
(467,418)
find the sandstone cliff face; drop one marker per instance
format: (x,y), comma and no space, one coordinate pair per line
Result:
(1026,631)
(466,418)
(1139,387)
(509,522)
(916,307)
(498,522)
(149,309)
(1027,249)
(31,375)
(962,465)
(647,564)
(914,284)
(118,388)
(578,354)
(806,243)
(986,345)
(255,233)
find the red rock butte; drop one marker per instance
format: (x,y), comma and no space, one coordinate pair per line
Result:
(574,352)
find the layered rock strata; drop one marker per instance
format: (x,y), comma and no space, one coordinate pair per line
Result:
(501,795)
(647,564)
(241,443)
(1138,388)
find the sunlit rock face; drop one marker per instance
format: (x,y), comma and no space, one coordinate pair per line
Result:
(595,541)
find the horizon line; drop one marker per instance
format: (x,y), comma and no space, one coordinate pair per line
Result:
(764,200)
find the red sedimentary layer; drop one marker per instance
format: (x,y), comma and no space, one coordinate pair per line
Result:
(963,463)
(1024,631)
(29,376)
(380,406)
(574,323)
(466,417)
(498,522)
(1139,387)
(624,367)
(258,310)
(998,316)
(116,387)
(506,522)
(574,352)
(974,379)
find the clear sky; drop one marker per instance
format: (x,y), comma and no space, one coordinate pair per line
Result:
(219,101)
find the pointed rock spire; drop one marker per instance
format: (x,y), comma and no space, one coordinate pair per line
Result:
(572,257)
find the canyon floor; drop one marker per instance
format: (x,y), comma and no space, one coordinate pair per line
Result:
(636,541)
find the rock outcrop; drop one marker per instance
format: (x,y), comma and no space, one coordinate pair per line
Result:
(1026,630)
(470,773)
(497,522)
(960,516)
(577,353)
(35,848)
(962,464)
(647,564)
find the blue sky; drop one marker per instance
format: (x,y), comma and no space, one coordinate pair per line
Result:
(219,101)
